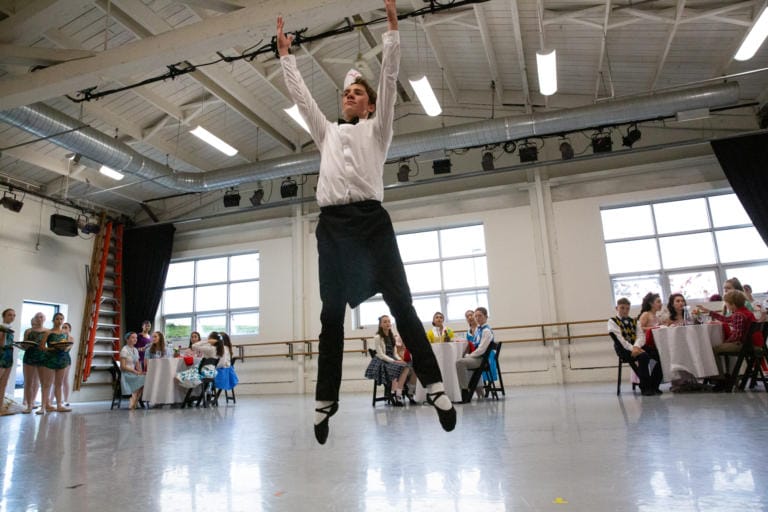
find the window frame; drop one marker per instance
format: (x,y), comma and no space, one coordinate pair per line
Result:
(720,268)
(228,311)
(442,292)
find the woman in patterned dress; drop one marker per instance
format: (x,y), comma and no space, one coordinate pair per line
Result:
(33,360)
(387,366)
(132,371)
(56,361)
(6,355)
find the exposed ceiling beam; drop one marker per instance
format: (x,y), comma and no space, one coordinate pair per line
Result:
(214,5)
(437,49)
(146,134)
(723,69)
(144,23)
(35,56)
(601,58)
(136,132)
(178,45)
(403,87)
(518,36)
(679,8)
(490,53)
(439,19)
(35,17)
(241,100)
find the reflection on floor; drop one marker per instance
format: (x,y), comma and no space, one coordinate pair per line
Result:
(575,448)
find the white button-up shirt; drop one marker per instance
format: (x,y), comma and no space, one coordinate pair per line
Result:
(351,156)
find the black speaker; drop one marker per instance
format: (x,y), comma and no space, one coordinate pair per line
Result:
(63,225)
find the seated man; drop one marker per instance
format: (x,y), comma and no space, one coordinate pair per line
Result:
(482,340)
(645,355)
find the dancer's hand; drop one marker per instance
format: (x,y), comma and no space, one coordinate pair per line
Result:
(391,8)
(284,42)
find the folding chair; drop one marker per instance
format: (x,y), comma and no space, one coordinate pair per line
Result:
(387,396)
(117,387)
(490,385)
(750,355)
(621,352)
(207,388)
(477,373)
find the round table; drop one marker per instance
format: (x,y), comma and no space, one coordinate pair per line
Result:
(688,348)
(446,354)
(160,385)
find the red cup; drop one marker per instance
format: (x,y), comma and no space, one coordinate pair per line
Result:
(189,360)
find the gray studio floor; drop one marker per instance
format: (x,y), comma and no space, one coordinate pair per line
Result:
(575,448)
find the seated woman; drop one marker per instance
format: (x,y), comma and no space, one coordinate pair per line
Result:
(734,325)
(212,347)
(439,333)
(675,314)
(386,366)
(193,338)
(131,370)
(156,348)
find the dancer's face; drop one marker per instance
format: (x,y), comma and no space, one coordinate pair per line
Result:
(355,102)
(438,319)
(385,323)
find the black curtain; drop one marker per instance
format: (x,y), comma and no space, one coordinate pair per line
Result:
(146,256)
(745,163)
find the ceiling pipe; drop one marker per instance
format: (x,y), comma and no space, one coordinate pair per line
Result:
(46,122)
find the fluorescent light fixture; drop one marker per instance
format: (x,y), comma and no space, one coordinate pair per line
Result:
(426,96)
(294,113)
(111,173)
(754,38)
(546,64)
(206,136)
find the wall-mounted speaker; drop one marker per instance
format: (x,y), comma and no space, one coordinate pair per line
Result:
(63,225)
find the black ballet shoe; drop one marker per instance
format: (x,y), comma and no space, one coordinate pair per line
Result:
(321,429)
(447,418)
(411,400)
(397,401)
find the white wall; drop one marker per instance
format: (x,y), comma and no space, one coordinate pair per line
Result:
(39,265)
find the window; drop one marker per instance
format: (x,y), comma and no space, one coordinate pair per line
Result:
(212,294)
(446,269)
(688,246)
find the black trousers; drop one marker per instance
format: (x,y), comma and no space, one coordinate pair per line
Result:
(649,379)
(359,257)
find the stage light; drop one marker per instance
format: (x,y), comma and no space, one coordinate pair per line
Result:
(403,173)
(288,188)
(601,142)
(257,197)
(528,152)
(10,202)
(231,198)
(441,166)
(86,226)
(633,135)
(566,150)
(487,161)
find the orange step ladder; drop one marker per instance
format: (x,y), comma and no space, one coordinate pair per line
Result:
(101,333)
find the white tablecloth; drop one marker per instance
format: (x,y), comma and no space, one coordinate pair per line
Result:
(688,348)
(447,354)
(160,385)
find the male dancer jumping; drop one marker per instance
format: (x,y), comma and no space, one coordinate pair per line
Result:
(356,244)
